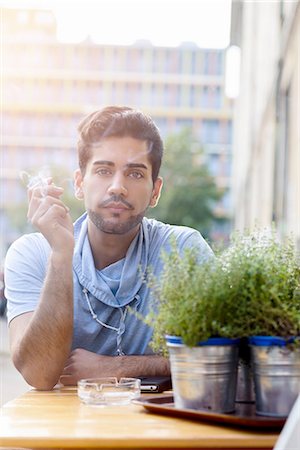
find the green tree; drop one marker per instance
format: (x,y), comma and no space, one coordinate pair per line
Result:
(190,193)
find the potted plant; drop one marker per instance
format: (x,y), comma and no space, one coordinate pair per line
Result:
(190,317)
(252,288)
(266,274)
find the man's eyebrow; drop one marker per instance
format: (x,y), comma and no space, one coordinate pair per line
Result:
(129,165)
(136,166)
(103,163)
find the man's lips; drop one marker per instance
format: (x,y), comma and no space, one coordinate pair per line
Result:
(116,206)
(116,202)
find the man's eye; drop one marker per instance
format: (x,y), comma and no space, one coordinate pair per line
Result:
(103,171)
(136,175)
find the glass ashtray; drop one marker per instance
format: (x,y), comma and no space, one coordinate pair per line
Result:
(108,391)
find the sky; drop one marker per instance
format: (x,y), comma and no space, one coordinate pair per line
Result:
(162,22)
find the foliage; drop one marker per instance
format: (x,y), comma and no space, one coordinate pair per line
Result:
(190,192)
(265,275)
(250,288)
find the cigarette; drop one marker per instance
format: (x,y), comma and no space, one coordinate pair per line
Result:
(35,181)
(40,182)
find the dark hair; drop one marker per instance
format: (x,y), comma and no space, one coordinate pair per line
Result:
(119,121)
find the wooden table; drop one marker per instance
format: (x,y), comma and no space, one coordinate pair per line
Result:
(57,419)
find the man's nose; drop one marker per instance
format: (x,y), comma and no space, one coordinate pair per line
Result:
(117,186)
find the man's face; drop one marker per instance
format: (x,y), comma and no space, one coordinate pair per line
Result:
(117,186)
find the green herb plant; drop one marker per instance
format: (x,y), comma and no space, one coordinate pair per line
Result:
(265,273)
(250,288)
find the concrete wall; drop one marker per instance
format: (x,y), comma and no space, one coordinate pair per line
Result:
(266,165)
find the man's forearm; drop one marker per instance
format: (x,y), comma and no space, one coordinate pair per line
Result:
(142,365)
(85,364)
(40,351)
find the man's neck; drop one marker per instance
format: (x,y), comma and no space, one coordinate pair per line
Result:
(109,248)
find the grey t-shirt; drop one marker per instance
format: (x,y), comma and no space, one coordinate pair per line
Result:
(102,322)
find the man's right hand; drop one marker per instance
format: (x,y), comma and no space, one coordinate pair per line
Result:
(50,216)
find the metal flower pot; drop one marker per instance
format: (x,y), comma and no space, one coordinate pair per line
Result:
(204,377)
(276,369)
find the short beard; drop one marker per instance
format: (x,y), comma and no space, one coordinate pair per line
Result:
(109,227)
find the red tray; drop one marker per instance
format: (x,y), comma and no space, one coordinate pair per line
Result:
(244,415)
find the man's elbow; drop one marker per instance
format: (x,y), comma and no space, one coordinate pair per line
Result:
(40,379)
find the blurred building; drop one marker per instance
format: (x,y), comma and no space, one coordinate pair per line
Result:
(49,86)
(266,143)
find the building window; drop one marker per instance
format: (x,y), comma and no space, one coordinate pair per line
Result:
(172,61)
(213,63)
(213,164)
(161,123)
(211,97)
(210,131)
(193,62)
(226,132)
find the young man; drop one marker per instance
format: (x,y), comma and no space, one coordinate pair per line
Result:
(69,287)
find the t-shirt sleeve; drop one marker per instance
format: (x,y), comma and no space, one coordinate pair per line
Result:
(194,240)
(162,237)
(188,238)
(25,269)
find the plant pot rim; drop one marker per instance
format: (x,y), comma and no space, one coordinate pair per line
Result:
(177,340)
(267,341)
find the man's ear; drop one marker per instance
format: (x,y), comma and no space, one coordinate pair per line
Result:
(78,181)
(158,184)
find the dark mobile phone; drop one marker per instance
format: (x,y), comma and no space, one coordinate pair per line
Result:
(155,384)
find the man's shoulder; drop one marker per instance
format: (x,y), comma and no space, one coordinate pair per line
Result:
(155,227)
(28,244)
(161,236)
